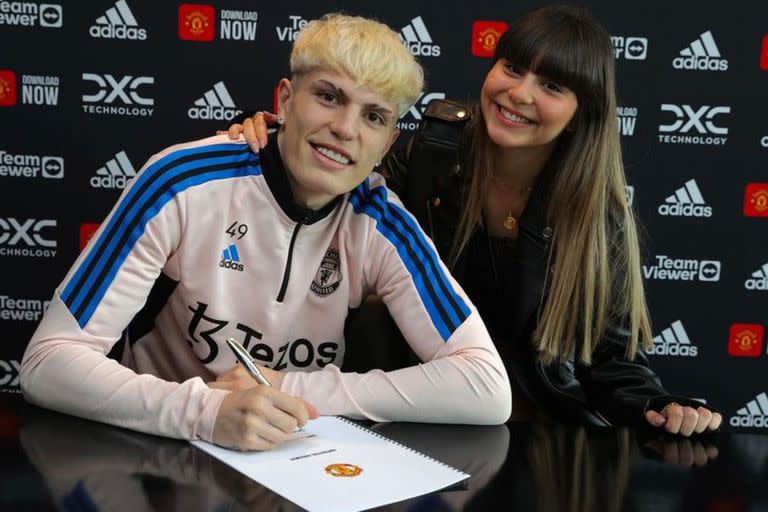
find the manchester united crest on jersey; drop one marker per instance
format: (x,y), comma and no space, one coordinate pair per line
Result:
(328,275)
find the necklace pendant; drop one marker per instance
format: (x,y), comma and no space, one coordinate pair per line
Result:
(510,222)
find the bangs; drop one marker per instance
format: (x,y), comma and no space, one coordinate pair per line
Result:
(564,49)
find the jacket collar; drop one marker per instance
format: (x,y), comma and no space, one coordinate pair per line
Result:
(276,177)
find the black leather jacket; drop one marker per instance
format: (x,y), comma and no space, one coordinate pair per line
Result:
(430,175)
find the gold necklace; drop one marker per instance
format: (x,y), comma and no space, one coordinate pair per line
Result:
(510,221)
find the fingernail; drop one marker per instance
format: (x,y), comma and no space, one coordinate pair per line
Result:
(659,421)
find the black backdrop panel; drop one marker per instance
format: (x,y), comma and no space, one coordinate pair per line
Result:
(90,90)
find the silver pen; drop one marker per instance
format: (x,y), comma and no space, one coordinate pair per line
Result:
(246,360)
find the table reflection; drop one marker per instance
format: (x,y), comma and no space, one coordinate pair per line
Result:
(531,467)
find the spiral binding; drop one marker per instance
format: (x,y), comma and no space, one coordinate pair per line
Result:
(392,441)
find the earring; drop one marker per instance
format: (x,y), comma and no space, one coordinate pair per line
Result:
(280,119)
(378,163)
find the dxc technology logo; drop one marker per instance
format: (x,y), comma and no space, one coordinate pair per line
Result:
(126,89)
(10,374)
(26,237)
(416,110)
(701,119)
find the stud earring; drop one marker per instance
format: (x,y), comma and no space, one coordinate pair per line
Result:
(280,119)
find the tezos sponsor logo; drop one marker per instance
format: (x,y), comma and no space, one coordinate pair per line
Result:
(118,23)
(758,280)
(290,32)
(328,275)
(230,258)
(116,173)
(687,201)
(701,54)
(24,310)
(701,119)
(673,341)
(677,269)
(128,90)
(10,374)
(626,117)
(238,25)
(754,414)
(28,14)
(630,48)
(31,166)
(416,110)
(197,22)
(746,340)
(27,237)
(756,200)
(215,104)
(416,38)
(485,37)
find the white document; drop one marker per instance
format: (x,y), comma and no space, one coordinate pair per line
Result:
(336,465)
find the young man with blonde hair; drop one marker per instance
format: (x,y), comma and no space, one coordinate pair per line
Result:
(212,241)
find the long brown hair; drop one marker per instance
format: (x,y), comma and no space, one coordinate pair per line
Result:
(596,253)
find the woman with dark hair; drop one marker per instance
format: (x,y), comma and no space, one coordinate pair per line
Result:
(524,194)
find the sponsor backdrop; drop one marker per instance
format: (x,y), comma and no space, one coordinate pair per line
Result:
(89,90)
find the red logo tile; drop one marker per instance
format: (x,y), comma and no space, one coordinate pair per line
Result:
(746,340)
(7,88)
(197,22)
(485,36)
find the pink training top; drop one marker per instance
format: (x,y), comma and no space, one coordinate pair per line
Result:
(212,226)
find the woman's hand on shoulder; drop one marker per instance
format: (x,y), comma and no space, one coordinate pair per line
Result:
(677,419)
(254,129)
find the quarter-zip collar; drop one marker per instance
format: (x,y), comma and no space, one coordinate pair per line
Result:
(276,177)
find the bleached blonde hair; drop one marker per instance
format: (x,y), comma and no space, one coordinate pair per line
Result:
(369,52)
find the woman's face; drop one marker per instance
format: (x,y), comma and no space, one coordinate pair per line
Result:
(334,133)
(524,110)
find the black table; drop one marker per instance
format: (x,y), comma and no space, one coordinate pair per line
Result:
(55,462)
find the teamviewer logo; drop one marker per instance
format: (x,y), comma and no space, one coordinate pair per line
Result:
(51,15)
(53,167)
(709,270)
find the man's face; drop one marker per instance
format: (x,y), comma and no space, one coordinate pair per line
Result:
(334,133)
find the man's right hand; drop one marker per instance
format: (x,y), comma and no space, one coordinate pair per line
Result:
(254,129)
(259,418)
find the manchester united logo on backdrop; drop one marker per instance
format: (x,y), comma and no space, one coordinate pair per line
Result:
(328,274)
